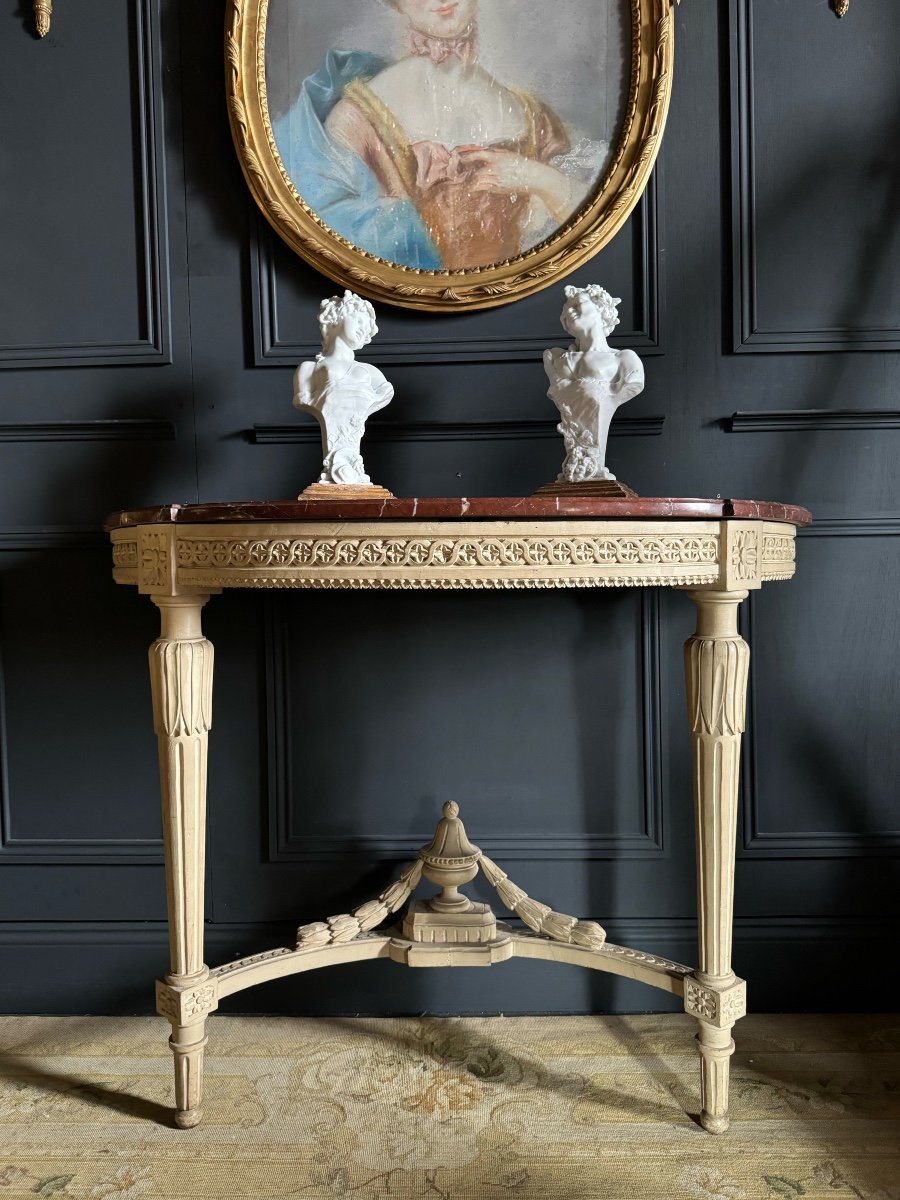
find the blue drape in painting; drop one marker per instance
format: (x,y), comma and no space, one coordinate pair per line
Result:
(335,182)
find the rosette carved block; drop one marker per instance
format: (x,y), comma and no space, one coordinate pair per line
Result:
(182,1005)
(719,1006)
(181,673)
(716,664)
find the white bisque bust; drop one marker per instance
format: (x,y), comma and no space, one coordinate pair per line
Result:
(342,393)
(589,381)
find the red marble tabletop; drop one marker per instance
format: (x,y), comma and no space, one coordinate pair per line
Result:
(456,508)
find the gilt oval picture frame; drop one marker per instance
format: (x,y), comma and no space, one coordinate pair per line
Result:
(447,155)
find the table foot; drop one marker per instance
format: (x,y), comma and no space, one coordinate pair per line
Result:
(714,1124)
(188,1050)
(189,1119)
(716,1049)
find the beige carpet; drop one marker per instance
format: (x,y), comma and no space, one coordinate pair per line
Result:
(458,1109)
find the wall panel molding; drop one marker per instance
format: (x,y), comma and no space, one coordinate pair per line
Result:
(273,348)
(306,431)
(750,334)
(109,430)
(757,841)
(287,845)
(42,851)
(51,537)
(809,420)
(154,343)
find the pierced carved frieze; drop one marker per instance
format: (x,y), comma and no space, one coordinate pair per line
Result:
(126,558)
(418,552)
(730,554)
(181,676)
(779,553)
(718,1006)
(125,554)
(183,1005)
(777,548)
(469,559)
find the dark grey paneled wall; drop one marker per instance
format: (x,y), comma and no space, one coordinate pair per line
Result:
(149,322)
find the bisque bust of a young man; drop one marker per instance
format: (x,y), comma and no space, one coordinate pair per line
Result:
(588,381)
(341,392)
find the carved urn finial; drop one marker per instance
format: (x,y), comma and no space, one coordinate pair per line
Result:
(450,860)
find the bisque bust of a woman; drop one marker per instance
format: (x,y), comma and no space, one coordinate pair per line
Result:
(588,382)
(340,392)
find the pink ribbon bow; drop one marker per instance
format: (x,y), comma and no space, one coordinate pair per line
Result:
(439,49)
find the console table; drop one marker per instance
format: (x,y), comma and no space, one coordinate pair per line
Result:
(715,549)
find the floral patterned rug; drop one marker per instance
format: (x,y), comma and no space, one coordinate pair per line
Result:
(536,1108)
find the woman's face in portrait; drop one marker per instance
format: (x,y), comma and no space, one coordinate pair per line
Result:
(439,18)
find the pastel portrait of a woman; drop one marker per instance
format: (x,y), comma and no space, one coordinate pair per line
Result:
(438,134)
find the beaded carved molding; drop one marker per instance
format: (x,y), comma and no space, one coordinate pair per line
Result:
(594,220)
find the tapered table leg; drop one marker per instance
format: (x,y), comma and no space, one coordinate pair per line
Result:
(716,664)
(181,668)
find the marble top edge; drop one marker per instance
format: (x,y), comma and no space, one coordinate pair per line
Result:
(455,508)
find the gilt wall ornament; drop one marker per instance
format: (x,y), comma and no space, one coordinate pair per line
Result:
(447,157)
(342,394)
(588,382)
(43,11)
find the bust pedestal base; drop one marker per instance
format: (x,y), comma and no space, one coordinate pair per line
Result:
(345,491)
(590,487)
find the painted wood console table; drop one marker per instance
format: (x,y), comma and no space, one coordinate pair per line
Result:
(715,549)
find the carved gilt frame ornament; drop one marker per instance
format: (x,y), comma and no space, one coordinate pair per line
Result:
(43,11)
(581,236)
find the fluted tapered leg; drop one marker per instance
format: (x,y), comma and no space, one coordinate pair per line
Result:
(181,666)
(716,664)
